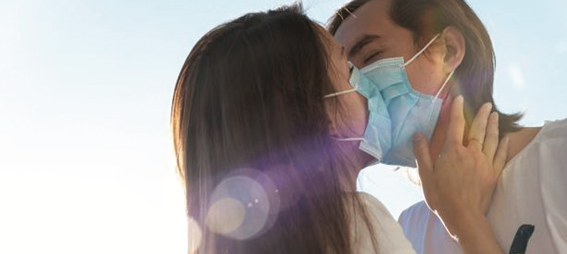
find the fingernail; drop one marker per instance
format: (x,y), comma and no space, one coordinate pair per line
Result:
(485,108)
(488,106)
(459,99)
(495,115)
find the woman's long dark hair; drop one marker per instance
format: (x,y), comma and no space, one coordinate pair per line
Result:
(248,118)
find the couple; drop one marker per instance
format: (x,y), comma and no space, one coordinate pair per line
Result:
(273,118)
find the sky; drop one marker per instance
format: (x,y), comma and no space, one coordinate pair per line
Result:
(86,161)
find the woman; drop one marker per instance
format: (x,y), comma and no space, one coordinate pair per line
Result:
(454,43)
(259,130)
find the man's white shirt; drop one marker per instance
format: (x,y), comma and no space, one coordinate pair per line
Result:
(531,191)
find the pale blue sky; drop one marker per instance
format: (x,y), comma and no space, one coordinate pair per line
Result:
(85,87)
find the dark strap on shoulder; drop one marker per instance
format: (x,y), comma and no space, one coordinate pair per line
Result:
(520,243)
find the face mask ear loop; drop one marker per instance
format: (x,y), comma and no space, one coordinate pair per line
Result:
(350,66)
(437,96)
(340,93)
(349,139)
(422,50)
(444,84)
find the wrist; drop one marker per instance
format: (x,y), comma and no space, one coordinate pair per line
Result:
(473,232)
(460,221)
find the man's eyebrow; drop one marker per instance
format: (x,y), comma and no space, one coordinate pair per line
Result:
(360,43)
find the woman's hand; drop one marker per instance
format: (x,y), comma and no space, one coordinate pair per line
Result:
(462,179)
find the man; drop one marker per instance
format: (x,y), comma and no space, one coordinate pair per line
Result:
(529,210)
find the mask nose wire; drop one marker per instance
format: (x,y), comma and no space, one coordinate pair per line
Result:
(422,50)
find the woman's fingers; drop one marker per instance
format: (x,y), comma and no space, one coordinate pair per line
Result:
(457,123)
(492,135)
(478,127)
(422,155)
(501,156)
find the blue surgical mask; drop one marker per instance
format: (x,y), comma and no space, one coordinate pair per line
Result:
(373,142)
(396,110)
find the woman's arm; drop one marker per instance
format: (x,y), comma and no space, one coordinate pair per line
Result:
(458,185)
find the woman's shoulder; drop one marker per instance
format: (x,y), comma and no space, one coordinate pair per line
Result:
(387,232)
(376,211)
(372,203)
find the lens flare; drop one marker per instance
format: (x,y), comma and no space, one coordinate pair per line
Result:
(225,216)
(243,206)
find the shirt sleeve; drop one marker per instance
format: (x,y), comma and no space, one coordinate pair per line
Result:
(426,232)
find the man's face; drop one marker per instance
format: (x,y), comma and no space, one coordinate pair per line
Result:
(369,35)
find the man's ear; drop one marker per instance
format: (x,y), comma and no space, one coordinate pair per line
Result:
(455,48)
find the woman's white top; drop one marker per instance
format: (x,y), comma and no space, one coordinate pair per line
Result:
(389,235)
(532,190)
